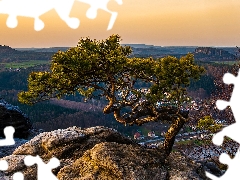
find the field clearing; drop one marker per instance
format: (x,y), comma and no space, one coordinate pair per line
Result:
(25,64)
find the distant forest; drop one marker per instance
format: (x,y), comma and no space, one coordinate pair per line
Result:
(73,110)
(8,54)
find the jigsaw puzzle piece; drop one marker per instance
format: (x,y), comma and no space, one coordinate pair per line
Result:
(38,24)
(63,8)
(8,132)
(233,167)
(44,170)
(25,8)
(112,20)
(218,139)
(221,104)
(3,165)
(231,131)
(12,21)
(114,16)
(101,4)
(229,78)
(18,176)
(36,8)
(211,176)
(94,6)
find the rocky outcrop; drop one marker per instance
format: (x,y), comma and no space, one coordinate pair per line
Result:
(99,153)
(110,160)
(8,150)
(183,168)
(12,116)
(212,54)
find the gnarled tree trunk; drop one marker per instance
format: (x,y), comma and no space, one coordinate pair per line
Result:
(170,135)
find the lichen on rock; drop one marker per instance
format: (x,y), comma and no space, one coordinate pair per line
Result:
(98,153)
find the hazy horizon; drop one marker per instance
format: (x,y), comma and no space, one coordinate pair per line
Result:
(128,44)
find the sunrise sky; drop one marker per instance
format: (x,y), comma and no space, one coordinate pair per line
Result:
(156,22)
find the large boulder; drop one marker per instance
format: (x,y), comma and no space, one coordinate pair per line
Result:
(184,168)
(12,116)
(97,153)
(110,160)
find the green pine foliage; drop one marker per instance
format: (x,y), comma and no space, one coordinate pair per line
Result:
(105,69)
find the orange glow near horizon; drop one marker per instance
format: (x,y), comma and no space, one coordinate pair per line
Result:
(161,22)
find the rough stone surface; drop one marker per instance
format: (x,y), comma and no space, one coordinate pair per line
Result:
(12,116)
(212,168)
(8,150)
(110,160)
(100,153)
(183,168)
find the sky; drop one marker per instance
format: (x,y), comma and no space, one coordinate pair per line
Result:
(153,22)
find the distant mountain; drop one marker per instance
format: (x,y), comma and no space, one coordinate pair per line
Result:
(6,50)
(213,54)
(200,53)
(8,54)
(50,49)
(142,50)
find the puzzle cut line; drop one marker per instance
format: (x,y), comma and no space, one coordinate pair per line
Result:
(36,8)
(44,171)
(231,131)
